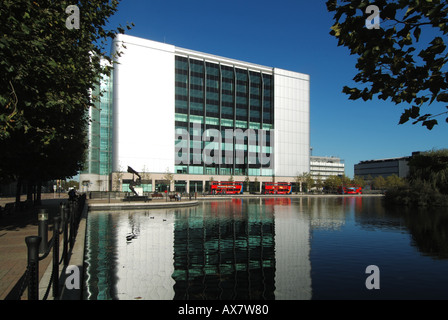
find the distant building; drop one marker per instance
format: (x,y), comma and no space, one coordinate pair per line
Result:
(325,167)
(383,167)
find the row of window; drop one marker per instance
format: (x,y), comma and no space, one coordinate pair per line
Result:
(223,171)
(217,84)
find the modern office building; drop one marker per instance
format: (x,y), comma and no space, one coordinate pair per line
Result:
(383,167)
(324,167)
(187,117)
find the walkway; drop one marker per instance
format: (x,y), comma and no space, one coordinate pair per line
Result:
(14,228)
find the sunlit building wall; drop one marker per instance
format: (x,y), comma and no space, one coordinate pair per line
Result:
(159,90)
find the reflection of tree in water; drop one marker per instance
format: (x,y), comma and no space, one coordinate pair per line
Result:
(429,230)
(427,226)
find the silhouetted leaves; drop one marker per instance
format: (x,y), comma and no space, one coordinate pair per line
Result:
(47,74)
(393,62)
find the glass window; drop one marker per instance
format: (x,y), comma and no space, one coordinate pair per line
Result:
(196,66)
(241,124)
(181,63)
(196,119)
(227,123)
(212,69)
(212,121)
(196,170)
(254,125)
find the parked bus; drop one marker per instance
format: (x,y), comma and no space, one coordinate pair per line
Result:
(276,188)
(350,190)
(226,187)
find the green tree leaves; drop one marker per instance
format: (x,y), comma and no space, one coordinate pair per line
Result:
(394,62)
(47,74)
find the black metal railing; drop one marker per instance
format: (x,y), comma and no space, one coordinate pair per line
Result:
(39,247)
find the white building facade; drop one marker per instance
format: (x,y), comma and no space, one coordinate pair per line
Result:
(173,108)
(324,167)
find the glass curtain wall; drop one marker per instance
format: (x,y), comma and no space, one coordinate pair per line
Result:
(214,96)
(100,133)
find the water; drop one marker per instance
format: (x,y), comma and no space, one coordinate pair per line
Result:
(272,248)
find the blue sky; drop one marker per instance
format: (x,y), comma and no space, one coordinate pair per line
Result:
(293,35)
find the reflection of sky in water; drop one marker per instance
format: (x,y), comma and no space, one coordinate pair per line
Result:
(298,248)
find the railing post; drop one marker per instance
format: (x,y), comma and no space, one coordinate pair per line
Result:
(32,244)
(66,215)
(43,230)
(62,213)
(72,226)
(57,221)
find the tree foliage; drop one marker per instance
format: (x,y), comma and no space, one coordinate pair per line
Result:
(404,60)
(47,74)
(427,183)
(430,167)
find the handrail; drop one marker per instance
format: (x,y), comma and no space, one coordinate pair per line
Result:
(68,216)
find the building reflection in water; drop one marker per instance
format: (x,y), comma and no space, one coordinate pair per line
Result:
(260,249)
(239,249)
(242,249)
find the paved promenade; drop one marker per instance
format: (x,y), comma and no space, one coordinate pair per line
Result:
(14,228)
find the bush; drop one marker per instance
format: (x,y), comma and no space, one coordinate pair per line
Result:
(420,193)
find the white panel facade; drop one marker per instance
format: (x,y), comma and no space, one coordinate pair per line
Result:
(144,109)
(291,123)
(143,105)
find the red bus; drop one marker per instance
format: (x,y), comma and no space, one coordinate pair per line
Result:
(350,190)
(226,187)
(277,188)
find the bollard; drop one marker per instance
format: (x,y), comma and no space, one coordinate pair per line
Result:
(43,230)
(57,221)
(32,244)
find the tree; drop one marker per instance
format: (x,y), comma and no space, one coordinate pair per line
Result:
(345,181)
(394,181)
(397,61)
(430,167)
(247,183)
(318,182)
(309,181)
(256,184)
(379,183)
(168,178)
(146,176)
(47,74)
(427,183)
(300,180)
(332,183)
(359,181)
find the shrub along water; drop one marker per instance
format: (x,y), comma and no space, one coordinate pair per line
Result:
(427,182)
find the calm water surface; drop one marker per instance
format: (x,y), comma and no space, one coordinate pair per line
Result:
(271,248)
